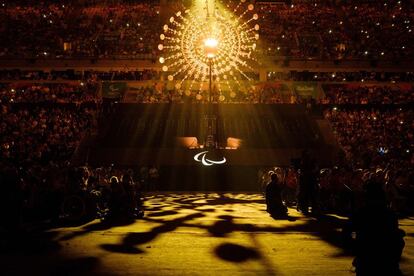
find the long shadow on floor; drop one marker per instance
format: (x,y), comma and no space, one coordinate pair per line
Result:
(327,228)
(98,225)
(134,239)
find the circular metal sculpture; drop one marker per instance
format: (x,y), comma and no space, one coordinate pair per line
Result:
(196,39)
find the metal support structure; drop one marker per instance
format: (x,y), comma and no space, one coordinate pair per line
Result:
(210,99)
(211,118)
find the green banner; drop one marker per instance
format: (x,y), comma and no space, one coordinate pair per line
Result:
(113,90)
(306,89)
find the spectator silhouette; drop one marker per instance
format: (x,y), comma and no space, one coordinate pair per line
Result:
(130,192)
(274,202)
(117,200)
(378,240)
(307,194)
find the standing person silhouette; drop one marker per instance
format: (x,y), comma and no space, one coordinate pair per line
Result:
(308,184)
(378,240)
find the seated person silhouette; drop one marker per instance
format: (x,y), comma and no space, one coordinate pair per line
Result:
(378,240)
(275,206)
(118,203)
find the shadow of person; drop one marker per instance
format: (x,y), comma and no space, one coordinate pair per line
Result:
(223,227)
(236,253)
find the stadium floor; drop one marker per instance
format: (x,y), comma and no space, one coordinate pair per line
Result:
(194,234)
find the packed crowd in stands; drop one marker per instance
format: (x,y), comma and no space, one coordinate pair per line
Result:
(53,31)
(251,96)
(40,121)
(376,141)
(50,93)
(374,137)
(359,76)
(343,94)
(147,74)
(41,126)
(320,29)
(90,75)
(42,134)
(348,30)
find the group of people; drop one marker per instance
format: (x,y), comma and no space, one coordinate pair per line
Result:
(112,193)
(152,74)
(316,29)
(338,189)
(337,29)
(69,30)
(41,127)
(40,123)
(254,95)
(375,137)
(63,93)
(72,75)
(340,76)
(359,94)
(366,197)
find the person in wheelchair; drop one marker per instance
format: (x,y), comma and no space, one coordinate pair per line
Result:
(130,194)
(117,200)
(125,199)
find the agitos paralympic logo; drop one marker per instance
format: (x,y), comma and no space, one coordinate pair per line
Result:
(201,157)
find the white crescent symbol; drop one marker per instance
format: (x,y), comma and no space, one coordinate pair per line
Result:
(217,162)
(111,87)
(207,162)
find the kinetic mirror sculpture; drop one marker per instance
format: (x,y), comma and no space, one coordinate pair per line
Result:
(196,41)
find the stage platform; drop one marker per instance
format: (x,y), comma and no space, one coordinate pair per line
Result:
(248,138)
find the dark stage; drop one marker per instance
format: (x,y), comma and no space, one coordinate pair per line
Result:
(168,136)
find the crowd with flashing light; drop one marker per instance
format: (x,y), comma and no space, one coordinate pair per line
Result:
(347,30)
(100,31)
(78,93)
(370,94)
(391,76)
(374,136)
(327,30)
(36,117)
